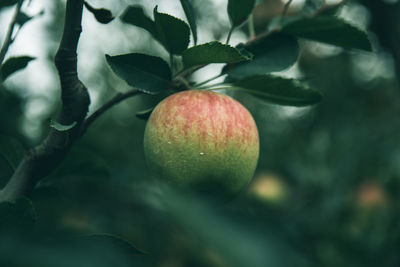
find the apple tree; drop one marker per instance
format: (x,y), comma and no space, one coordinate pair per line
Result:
(82,193)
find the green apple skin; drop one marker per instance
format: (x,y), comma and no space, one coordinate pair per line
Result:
(202,141)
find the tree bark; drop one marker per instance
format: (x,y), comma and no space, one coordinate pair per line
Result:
(43,159)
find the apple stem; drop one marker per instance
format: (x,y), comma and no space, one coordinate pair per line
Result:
(229,35)
(198,85)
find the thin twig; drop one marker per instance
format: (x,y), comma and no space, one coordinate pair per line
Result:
(112,102)
(229,35)
(8,40)
(250,24)
(208,80)
(285,9)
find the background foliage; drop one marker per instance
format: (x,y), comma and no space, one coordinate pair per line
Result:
(326,190)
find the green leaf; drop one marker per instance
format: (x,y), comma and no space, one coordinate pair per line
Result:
(13,65)
(66,250)
(190,15)
(135,15)
(172,32)
(6,3)
(272,53)
(311,6)
(60,127)
(213,52)
(147,73)
(11,150)
(233,240)
(18,216)
(102,15)
(239,10)
(278,90)
(23,18)
(330,30)
(144,114)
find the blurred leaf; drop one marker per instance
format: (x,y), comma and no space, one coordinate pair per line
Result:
(65,251)
(239,10)
(61,128)
(311,6)
(332,9)
(18,216)
(82,162)
(6,3)
(234,243)
(23,18)
(13,65)
(213,52)
(6,171)
(135,15)
(147,73)
(278,90)
(172,32)
(12,150)
(102,15)
(272,53)
(144,114)
(331,30)
(112,242)
(190,15)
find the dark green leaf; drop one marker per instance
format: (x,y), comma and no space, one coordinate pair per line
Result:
(190,15)
(144,114)
(147,73)
(14,64)
(213,52)
(272,53)
(61,128)
(6,3)
(113,243)
(311,6)
(232,241)
(332,9)
(278,90)
(102,15)
(331,30)
(69,250)
(172,32)
(11,150)
(239,10)
(18,216)
(135,15)
(23,18)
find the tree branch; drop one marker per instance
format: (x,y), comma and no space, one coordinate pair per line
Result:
(8,40)
(112,102)
(41,160)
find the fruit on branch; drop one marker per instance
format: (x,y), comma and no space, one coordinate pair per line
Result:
(203,142)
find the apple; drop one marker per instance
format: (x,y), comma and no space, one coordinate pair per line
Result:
(202,141)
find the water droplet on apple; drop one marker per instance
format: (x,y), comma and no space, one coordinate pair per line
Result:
(201,153)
